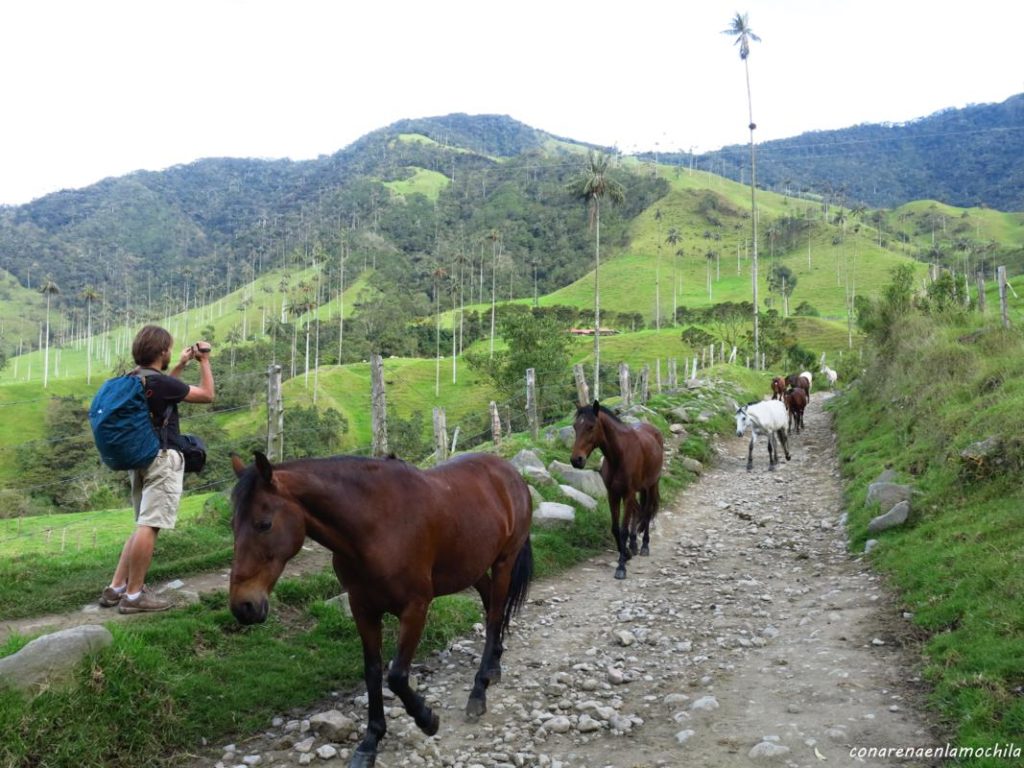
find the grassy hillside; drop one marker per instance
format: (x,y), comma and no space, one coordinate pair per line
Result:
(942,388)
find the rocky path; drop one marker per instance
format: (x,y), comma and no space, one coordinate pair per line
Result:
(748,637)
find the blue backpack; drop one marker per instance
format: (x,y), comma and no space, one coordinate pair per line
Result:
(121,424)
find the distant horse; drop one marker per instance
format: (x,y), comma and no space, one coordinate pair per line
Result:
(802,380)
(631,468)
(830,375)
(401,537)
(796,402)
(767,417)
(778,388)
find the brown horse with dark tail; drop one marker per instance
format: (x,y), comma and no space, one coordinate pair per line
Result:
(401,537)
(631,469)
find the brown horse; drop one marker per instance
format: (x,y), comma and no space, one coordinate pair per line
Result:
(796,402)
(778,388)
(401,537)
(631,467)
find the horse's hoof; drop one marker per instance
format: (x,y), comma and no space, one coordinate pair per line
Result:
(474,709)
(620,572)
(645,551)
(431,724)
(362,759)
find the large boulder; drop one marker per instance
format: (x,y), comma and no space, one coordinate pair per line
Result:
(551,513)
(526,459)
(888,495)
(579,497)
(586,480)
(896,516)
(52,658)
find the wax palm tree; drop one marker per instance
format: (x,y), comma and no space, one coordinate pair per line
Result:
(657,274)
(673,239)
(740,29)
(88,295)
(439,274)
(495,237)
(593,185)
(49,288)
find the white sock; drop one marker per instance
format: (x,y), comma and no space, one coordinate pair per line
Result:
(119,590)
(133,595)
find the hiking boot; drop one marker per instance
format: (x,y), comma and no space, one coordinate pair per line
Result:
(144,603)
(110,597)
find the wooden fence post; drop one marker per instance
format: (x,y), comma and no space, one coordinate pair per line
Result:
(379,406)
(981,293)
(1003,304)
(673,380)
(495,424)
(624,390)
(440,435)
(657,375)
(645,384)
(694,374)
(582,390)
(275,415)
(531,403)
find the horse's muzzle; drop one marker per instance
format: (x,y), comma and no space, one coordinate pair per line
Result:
(578,461)
(249,612)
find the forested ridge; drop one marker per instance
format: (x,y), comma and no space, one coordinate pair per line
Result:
(965,157)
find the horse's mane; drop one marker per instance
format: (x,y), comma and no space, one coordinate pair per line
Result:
(606,411)
(245,488)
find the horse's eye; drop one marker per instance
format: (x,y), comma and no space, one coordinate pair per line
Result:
(263,525)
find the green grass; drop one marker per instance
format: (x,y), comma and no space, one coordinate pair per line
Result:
(430,184)
(958,563)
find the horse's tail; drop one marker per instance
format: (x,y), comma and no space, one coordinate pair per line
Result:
(650,503)
(519,584)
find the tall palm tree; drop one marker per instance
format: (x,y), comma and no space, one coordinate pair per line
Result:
(48,289)
(673,239)
(439,274)
(657,274)
(88,295)
(593,185)
(740,29)
(495,237)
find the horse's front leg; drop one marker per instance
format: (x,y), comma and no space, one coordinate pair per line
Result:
(369,627)
(750,449)
(771,451)
(632,522)
(490,661)
(410,629)
(619,534)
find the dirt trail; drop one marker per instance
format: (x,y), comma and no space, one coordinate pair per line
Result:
(749,636)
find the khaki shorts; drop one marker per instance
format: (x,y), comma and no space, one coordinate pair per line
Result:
(156,490)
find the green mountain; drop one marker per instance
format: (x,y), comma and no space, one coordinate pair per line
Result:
(965,157)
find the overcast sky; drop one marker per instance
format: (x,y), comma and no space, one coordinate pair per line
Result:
(98,88)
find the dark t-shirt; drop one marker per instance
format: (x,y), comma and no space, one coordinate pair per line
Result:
(161,391)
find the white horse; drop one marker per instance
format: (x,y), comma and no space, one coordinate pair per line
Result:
(810,380)
(831,375)
(769,418)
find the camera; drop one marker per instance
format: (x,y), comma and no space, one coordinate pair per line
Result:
(200,347)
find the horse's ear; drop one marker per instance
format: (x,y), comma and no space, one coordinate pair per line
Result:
(264,467)
(236,464)
(597,408)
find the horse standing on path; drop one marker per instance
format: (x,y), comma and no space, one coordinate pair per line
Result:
(830,375)
(778,388)
(401,537)
(796,402)
(632,467)
(767,417)
(802,380)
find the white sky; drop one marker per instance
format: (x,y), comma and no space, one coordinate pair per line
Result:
(98,88)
